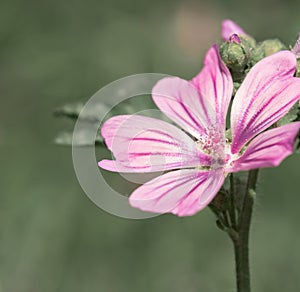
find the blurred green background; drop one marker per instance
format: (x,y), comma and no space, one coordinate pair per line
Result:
(52,237)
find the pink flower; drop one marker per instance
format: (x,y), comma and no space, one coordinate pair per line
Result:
(199,157)
(230,28)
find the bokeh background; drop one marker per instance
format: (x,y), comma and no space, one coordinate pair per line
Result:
(52,237)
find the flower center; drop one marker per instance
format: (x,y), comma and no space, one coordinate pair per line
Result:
(216,145)
(213,141)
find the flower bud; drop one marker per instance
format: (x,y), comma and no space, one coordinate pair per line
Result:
(233,55)
(266,48)
(272,46)
(298,68)
(236,53)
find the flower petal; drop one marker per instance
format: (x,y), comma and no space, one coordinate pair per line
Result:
(144,144)
(215,85)
(201,104)
(229,28)
(181,102)
(267,94)
(182,192)
(269,148)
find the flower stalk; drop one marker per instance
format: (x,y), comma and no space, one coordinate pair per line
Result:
(239,230)
(241,244)
(238,227)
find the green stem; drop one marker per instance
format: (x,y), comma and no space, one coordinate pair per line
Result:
(236,223)
(241,242)
(226,219)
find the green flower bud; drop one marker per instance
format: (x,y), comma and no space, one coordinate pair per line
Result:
(248,42)
(257,54)
(236,54)
(266,48)
(298,68)
(273,46)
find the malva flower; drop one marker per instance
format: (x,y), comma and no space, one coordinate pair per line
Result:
(197,159)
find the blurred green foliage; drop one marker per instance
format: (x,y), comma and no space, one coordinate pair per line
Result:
(52,237)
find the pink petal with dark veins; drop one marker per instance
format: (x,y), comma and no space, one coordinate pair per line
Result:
(267,94)
(181,192)
(144,144)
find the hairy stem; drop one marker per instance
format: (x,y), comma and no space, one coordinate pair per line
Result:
(241,242)
(236,221)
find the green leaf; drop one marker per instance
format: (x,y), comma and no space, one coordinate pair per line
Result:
(130,106)
(81,139)
(135,105)
(69,110)
(73,111)
(64,138)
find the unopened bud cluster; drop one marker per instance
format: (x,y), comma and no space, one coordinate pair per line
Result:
(240,53)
